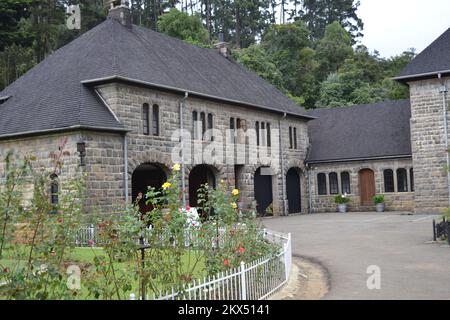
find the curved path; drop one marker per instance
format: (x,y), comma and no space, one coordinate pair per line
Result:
(347,244)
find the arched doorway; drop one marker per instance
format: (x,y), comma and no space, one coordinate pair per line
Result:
(198,176)
(367,186)
(263,190)
(144,176)
(293,191)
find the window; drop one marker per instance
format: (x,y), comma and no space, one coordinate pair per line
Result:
(345,183)
(388,180)
(195,124)
(269,142)
(334,186)
(411,179)
(295,138)
(322,184)
(263,133)
(290,138)
(210,125)
(203,121)
(232,123)
(146,118)
(54,192)
(402,180)
(257,133)
(155,120)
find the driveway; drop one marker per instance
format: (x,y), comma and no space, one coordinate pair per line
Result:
(347,244)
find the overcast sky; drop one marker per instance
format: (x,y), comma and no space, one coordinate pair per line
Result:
(392,26)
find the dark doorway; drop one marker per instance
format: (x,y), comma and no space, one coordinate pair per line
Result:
(293,191)
(198,176)
(367,186)
(146,175)
(263,190)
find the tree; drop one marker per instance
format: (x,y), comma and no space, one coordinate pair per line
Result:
(333,49)
(183,26)
(11,13)
(318,14)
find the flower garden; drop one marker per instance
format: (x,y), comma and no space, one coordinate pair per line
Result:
(133,254)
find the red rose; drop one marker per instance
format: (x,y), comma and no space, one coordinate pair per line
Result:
(226,262)
(241,249)
(188,208)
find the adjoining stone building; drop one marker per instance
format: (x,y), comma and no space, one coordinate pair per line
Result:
(132,102)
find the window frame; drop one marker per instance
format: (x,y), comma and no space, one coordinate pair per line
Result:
(322,189)
(411,179)
(155,120)
(346,186)
(404,180)
(146,119)
(391,180)
(334,183)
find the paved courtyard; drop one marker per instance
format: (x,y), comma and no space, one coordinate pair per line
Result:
(347,244)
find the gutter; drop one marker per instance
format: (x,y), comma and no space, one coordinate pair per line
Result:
(308,170)
(421,75)
(59,130)
(359,159)
(283,176)
(192,93)
(444,90)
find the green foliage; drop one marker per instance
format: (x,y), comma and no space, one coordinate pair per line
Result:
(341,199)
(183,26)
(378,199)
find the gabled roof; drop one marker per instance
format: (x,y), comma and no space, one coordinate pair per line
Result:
(370,131)
(433,60)
(56,93)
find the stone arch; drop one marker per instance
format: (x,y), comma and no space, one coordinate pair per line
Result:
(148,157)
(197,176)
(144,176)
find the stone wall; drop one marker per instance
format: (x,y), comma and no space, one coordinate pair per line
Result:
(397,201)
(42,148)
(127,103)
(428,146)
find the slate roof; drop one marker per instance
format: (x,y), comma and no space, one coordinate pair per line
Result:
(360,132)
(431,61)
(55,95)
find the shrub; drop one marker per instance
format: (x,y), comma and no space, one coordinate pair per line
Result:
(378,199)
(341,199)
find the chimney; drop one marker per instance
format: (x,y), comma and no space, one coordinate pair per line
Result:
(119,10)
(223,47)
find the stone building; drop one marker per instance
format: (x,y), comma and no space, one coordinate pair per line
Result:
(132,102)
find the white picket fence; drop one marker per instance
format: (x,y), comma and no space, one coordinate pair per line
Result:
(257,280)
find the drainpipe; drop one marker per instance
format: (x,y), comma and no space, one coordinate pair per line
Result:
(283,178)
(125,166)
(308,170)
(443,90)
(183,169)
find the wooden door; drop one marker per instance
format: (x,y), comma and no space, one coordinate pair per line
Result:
(367,186)
(293,191)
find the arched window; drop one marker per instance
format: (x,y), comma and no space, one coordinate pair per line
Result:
(269,142)
(411,178)
(322,184)
(257,132)
(402,180)
(146,118)
(290,138)
(345,183)
(54,192)
(295,138)
(210,124)
(334,186)
(388,180)
(263,133)
(203,121)
(155,120)
(195,124)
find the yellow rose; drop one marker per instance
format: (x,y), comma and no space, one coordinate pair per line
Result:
(166,185)
(176,167)
(233,205)
(235,192)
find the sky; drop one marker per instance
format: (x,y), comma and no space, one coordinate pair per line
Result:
(392,26)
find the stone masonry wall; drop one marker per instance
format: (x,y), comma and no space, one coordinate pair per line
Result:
(397,201)
(428,146)
(126,102)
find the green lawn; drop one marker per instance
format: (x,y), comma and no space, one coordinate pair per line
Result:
(85,256)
